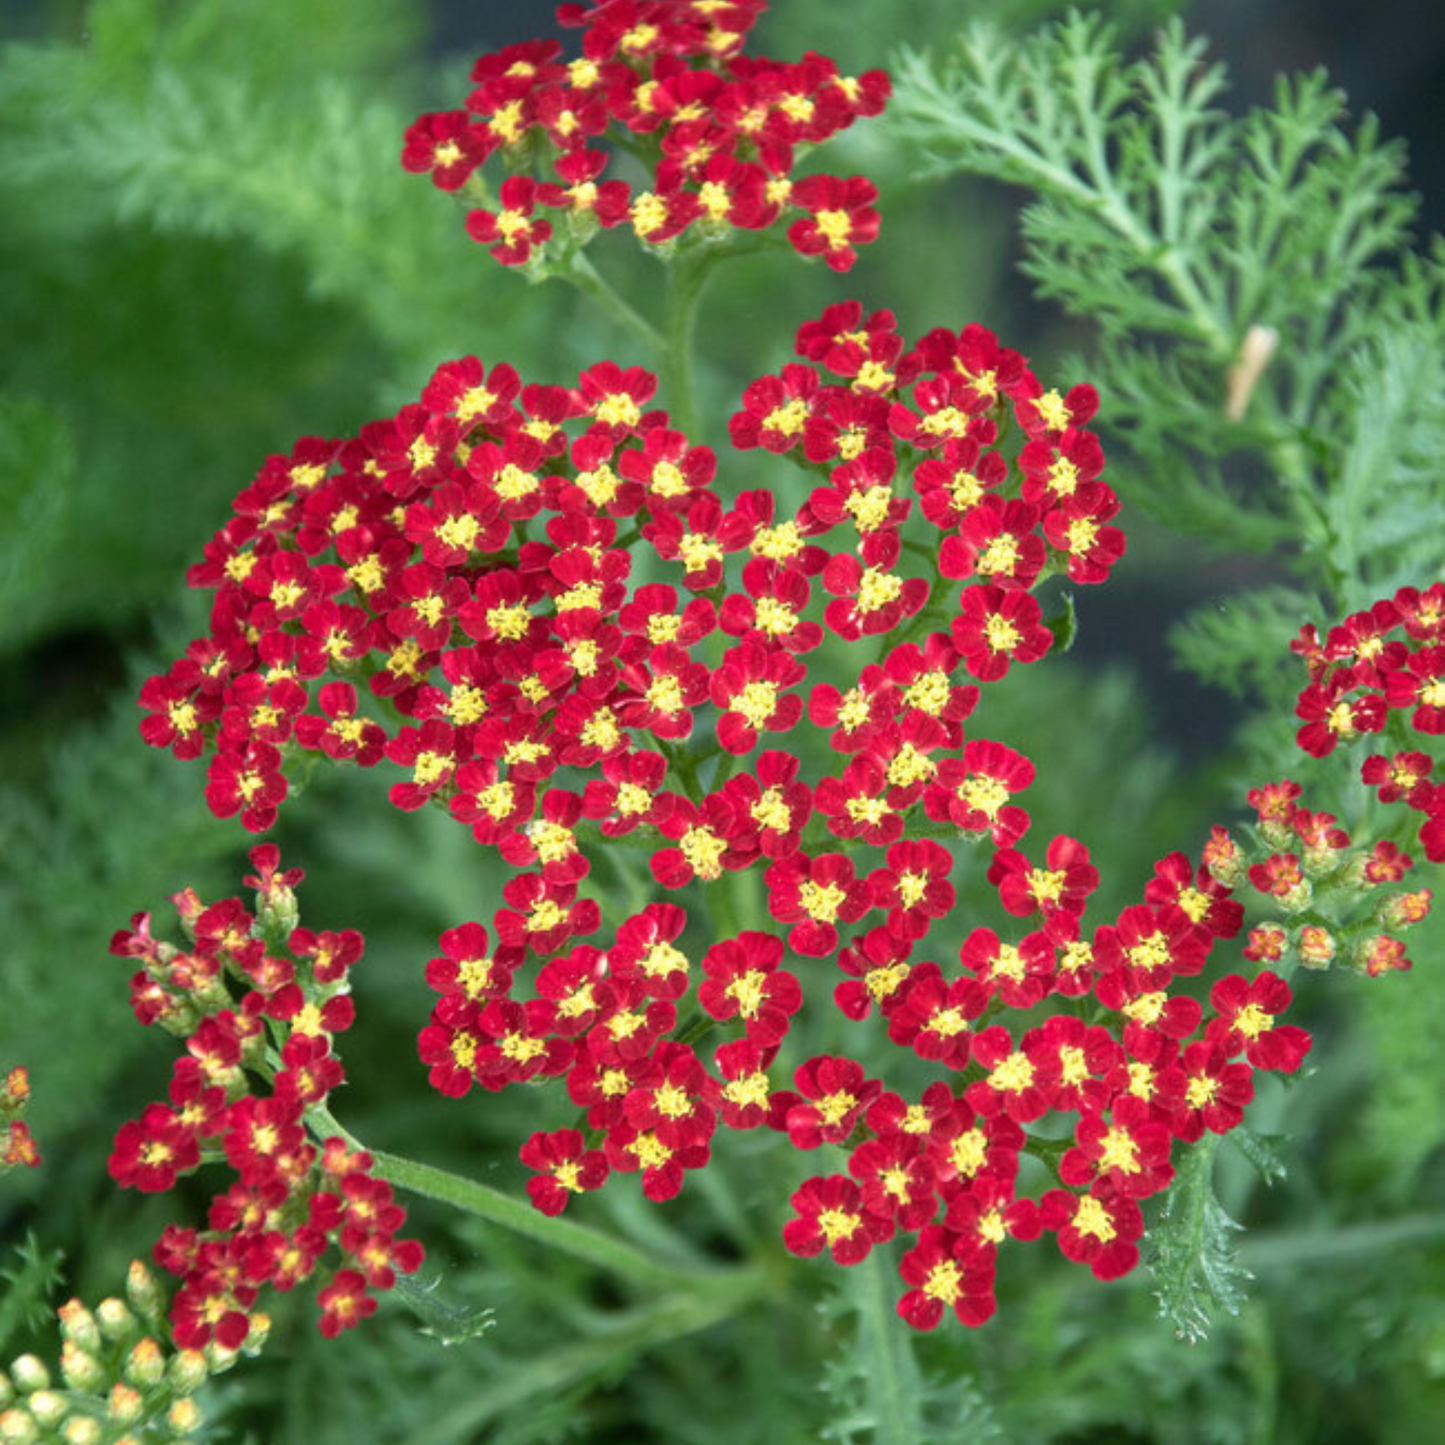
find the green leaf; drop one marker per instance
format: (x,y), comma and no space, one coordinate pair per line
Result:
(1194,1259)
(1064,624)
(443,1320)
(1262,1151)
(30,1284)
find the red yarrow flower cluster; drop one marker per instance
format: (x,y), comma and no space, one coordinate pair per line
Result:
(257,1001)
(462,556)
(720,132)
(1381,670)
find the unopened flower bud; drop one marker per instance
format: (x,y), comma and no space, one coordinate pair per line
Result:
(29,1373)
(255,1342)
(145,1365)
(49,1408)
(187,1371)
(78,1327)
(18,1427)
(1316,946)
(82,1430)
(142,1290)
(188,904)
(125,1405)
(1266,944)
(184,1416)
(80,1369)
(15,1091)
(115,1319)
(1223,859)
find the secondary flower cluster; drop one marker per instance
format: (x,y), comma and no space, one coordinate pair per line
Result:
(667,82)
(256,999)
(1382,671)
(17,1143)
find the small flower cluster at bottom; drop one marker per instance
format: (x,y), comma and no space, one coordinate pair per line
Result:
(256,997)
(118,1382)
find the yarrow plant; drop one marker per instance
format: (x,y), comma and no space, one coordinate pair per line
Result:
(545,610)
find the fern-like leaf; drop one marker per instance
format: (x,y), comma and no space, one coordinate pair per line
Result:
(1194,1261)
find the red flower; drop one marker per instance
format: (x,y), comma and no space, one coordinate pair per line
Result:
(815,894)
(1061,887)
(775,410)
(564,1165)
(1215,1093)
(1129,1151)
(1245,1023)
(944,1272)
(934,1017)
(996,542)
(511,231)
(834,1095)
(749,686)
(1099,1228)
(831,1215)
(344,1303)
(914,886)
(996,628)
(974,792)
(247,781)
(1014,1084)
(841,216)
(742,980)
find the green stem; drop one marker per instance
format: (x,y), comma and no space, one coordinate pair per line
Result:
(684,291)
(497,1208)
(583,275)
(886,1350)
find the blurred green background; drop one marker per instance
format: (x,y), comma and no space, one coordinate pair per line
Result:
(208,249)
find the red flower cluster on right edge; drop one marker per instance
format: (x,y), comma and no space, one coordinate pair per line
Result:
(1383,671)
(666,80)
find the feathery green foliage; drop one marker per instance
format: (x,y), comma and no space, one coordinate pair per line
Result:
(1194,1257)
(1269,347)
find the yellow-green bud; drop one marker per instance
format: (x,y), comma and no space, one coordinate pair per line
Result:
(255,1342)
(80,1369)
(125,1405)
(7,1390)
(77,1325)
(82,1430)
(29,1373)
(18,1427)
(49,1408)
(115,1319)
(145,1365)
(184,1416)
(187,1371)
(143,1291)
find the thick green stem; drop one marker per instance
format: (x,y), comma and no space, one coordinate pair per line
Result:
(585,278)
(498,1208)
(684,292)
